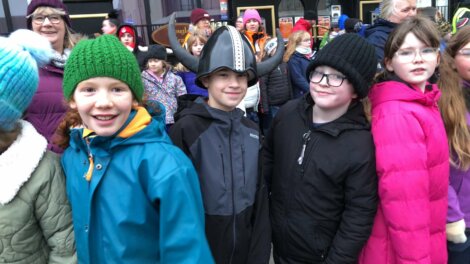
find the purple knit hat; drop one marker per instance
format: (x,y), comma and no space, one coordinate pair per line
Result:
(52,3)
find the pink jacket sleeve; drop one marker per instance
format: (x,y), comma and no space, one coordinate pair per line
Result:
(403,175)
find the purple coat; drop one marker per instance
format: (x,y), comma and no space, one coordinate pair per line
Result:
(459,193)
(189,79)
(48,106)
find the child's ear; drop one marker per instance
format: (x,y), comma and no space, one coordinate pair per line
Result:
(438,58)
(72,104)
(135,104)
(388,65)
(205,81)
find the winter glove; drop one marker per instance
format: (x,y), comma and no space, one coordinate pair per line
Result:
(456,232)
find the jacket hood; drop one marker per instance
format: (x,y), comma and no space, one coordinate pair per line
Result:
(19,161)
(399,91)
(196,106)
(144,125)
(353,119)
(380,25)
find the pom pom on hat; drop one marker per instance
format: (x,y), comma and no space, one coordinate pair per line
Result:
(104,56)
(51,3)
(351,55)
(198,14)
(251,14)
(20,55)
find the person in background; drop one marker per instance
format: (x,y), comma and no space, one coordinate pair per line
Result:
(200,24)
(392,13)
(195,44)
(306,23)
(146,204)
(254,32)
(318,160)
(50,19)
(160,83)
(454,105)
(275,87)
(239,23)
(298,54)
(111,23)
(35,220)
(353,25)
(411,151)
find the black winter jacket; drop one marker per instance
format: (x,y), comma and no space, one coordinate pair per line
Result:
(323,198)
(277,85)
(224,148)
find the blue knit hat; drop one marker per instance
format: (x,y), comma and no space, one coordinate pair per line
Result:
(20,55)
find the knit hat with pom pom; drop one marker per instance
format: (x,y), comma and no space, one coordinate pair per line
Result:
(20,55)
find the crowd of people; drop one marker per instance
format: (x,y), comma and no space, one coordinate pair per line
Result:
(352,150)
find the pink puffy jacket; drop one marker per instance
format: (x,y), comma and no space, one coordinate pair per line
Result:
(413,170)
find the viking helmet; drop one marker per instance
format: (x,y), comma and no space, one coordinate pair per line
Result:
(225,49)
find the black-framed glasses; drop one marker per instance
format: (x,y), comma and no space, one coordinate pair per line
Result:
(54,19)
(334,80)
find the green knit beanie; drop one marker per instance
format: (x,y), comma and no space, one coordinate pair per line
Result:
(104,56)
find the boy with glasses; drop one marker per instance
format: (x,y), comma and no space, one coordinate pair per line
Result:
(319,160)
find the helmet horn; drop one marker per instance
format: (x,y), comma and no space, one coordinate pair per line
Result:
(188,60)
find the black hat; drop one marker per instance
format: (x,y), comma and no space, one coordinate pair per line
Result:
(156,52)
(352,25)
(226,48)
(351,55)
(310,15)
(214,55)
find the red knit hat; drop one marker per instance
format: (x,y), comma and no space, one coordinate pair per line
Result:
(51,3)
(199,14)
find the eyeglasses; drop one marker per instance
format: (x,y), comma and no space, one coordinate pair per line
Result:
(334,80)
(465,52)
(39,19)
(408,55)
(306,40)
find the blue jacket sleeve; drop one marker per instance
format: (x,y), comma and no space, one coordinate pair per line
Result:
(177,197)
(297,75)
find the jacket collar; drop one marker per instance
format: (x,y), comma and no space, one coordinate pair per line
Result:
(19,161)
(353,119)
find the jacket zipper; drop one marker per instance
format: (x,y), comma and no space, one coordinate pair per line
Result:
(243,165)
(306,138)
(234,228)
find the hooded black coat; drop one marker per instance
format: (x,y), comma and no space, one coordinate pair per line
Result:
(323,199)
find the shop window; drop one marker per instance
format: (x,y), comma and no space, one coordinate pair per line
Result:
(290,8)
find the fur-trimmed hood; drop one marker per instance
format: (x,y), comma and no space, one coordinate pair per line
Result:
(19,161)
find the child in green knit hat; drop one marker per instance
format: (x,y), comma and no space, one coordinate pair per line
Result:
(135,197)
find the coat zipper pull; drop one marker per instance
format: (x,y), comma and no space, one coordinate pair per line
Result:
(306,138)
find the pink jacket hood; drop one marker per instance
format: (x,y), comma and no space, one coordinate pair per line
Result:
(412,159)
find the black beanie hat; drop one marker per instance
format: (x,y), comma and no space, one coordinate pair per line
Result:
(351,55)
(155,52)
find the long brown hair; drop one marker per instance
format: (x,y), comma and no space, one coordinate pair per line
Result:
(423,28)
(452,102)
(191,40)
(294,40)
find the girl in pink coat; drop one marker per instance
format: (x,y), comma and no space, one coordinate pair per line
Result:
(411,151)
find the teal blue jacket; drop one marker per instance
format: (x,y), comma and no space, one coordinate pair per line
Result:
(143,202)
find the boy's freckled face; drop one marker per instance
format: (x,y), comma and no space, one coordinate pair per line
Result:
(226,89)
(104,104)
(328,97)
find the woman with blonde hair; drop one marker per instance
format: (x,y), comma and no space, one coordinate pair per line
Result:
(454,105)
(297,56)
(50,18)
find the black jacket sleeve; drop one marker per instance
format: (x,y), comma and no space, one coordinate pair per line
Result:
(360,208)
